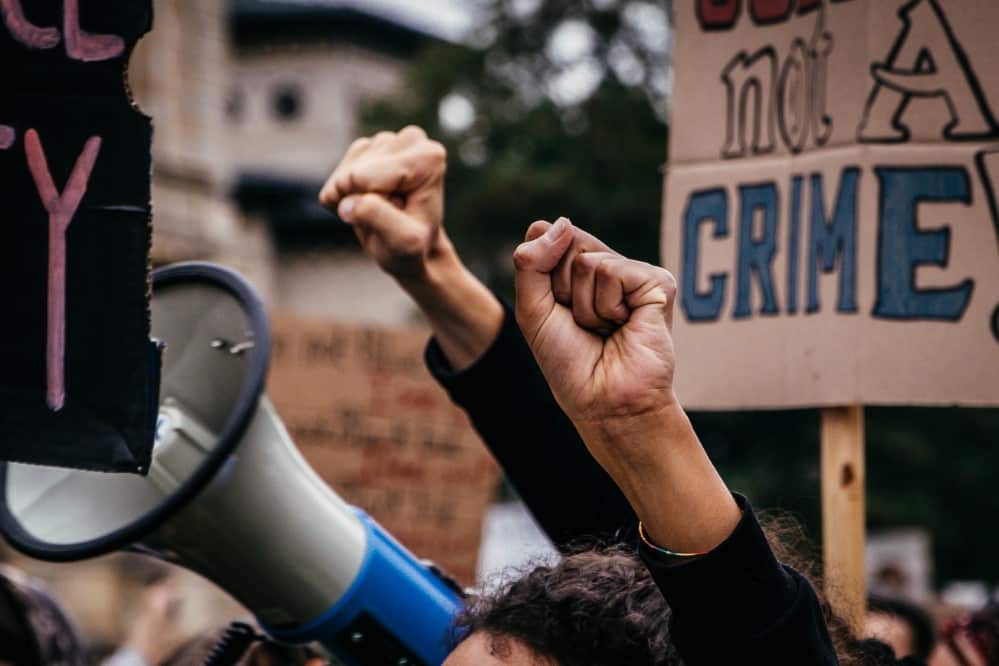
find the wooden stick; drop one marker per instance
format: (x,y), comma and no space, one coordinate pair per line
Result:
(843,512)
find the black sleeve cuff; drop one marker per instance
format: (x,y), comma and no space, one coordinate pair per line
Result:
(739,604)
(466,387)
(742,571)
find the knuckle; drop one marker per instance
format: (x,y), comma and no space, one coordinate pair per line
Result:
(667,280)
(521,258)
(327,197)
(359,144)
(438,151)
(537,228)
(606,269)
(412,130)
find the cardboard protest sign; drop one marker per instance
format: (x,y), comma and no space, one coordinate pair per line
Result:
(831,202)
(366,414)
(78,373)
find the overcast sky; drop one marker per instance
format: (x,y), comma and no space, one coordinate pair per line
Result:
(445,18)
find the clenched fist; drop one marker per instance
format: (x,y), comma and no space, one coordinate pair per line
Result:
(607,352)
(600,328)
(390,187)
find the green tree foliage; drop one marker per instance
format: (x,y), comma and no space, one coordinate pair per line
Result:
(567,107)
(533,146)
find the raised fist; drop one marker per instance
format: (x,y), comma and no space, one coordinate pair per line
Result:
(390,187)
(604,343)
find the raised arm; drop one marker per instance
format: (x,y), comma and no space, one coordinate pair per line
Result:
(608,356)
(390,189)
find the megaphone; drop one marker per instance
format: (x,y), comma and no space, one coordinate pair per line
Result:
(229,496)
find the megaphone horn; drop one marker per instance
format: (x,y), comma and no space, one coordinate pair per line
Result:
(229,496)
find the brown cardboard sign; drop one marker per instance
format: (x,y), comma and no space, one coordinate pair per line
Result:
(79,376)
(831,210)
(372,422)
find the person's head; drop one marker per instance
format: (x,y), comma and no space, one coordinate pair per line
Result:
(969,640)
(34,628)
(902,625)
(597,606)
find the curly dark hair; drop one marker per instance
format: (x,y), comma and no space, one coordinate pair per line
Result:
(594,607)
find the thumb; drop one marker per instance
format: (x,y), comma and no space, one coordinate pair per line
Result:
(534,260)
(376,214)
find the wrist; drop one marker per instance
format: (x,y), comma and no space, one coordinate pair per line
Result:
(441,267)
(639,434)
(465,316)
(657,461)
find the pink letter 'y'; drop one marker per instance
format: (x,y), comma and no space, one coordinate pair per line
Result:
(61,208)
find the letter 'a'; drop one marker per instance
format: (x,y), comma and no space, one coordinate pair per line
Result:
(926,61)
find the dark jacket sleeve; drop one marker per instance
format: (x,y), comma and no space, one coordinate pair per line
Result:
(739,605)
(513,410)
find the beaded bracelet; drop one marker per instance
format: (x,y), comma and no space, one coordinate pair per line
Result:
(659,549)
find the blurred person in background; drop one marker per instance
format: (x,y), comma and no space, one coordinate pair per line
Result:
(147,640)
(904,626)
(969,640)
(35,630)
(196,650)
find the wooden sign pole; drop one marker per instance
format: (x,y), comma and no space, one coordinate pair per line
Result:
(844,512)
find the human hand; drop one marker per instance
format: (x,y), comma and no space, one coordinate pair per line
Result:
(598,323)
(153,626)
(600,328)
(390,187)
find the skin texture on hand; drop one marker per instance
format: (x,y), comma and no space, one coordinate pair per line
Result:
(390,189)
(610,347)
(605,346)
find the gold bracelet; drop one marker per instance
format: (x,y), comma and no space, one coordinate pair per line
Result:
(659,549)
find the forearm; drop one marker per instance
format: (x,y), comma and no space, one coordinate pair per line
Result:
(515,414)
(465,316)
(667,477)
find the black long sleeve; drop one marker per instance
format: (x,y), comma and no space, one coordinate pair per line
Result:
(514,412)
(739,605)
(735,605)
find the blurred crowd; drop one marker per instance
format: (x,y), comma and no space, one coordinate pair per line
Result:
(36,630)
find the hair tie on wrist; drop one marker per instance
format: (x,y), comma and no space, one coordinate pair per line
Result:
(659,549)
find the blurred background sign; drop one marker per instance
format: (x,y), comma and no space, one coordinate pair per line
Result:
(78,373)
(362,407)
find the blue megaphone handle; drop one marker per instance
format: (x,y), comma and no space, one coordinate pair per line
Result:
(396,611)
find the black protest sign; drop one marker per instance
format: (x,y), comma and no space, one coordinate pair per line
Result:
(79,375)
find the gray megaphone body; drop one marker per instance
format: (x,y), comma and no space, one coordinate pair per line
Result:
(229,496)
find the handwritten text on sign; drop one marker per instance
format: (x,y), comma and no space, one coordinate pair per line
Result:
(84,46)
(831,205)
(369,418)
(79,374)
